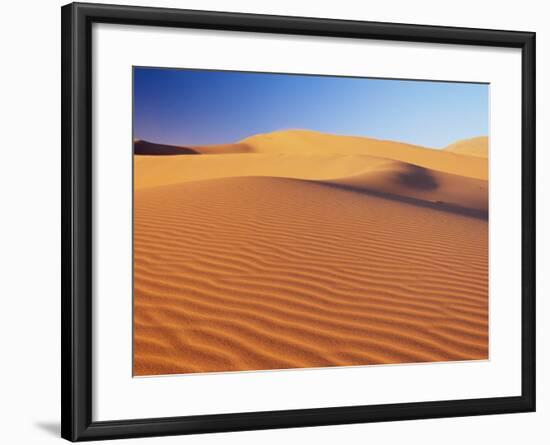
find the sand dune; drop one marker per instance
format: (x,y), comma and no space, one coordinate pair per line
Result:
(297,249)
(471,147)
(398,179)
(269,273)
(146,148)
(154,171)
(305,141)
(152,149)
(367,173)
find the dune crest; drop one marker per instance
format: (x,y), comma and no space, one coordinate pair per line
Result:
(478,146)
(313,142)
(306,142)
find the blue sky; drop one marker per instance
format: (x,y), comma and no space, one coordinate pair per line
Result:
(199,107)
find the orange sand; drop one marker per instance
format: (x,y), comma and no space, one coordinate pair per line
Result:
(297,249)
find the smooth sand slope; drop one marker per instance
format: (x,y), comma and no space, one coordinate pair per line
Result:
(471,147)
(297,256)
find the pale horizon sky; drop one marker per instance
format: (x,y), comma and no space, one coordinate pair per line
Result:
(201,107)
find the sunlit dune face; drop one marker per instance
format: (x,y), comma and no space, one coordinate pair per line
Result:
(300,249)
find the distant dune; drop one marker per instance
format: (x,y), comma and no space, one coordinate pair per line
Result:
(152,149)
(471,147)
(298,249)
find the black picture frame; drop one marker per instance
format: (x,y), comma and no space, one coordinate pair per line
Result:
(76,248)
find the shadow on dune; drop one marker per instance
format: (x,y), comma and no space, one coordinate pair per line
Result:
(412,177)
(152,149)
(436,205)
(417,178)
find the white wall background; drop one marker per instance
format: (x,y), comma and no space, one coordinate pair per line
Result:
(30,209)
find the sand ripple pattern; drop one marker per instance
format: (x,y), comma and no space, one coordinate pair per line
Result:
(255,273)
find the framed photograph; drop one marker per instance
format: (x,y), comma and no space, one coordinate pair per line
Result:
(275,222)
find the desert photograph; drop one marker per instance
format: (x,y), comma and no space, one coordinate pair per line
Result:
(286,221)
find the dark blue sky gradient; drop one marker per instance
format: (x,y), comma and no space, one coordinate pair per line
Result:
(198,107)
